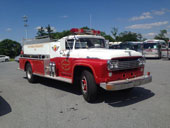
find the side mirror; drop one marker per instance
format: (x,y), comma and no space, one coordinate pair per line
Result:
(107,44)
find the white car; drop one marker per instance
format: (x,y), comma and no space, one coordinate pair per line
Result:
(4,58)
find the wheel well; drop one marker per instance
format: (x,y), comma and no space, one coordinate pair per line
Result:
(78,70)
(26,65)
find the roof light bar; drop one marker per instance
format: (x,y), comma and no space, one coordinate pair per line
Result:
(85,31)
(76,30)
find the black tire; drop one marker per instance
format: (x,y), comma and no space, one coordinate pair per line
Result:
(88,86)
(6,60)
(31,78)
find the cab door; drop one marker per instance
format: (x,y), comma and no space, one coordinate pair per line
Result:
(66,61)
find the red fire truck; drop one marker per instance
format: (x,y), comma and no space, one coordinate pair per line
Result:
(83,59)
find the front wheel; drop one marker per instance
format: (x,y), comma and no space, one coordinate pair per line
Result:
(31,78)
(88,86)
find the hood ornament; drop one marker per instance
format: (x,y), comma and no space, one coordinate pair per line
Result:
(129,52)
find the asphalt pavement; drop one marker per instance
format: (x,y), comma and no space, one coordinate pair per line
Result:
(54,104)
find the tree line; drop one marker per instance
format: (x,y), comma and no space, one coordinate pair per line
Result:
(115,35)
(10,48)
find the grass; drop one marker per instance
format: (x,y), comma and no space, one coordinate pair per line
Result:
(12,59)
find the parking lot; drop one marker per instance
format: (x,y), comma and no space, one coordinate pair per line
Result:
(52,104)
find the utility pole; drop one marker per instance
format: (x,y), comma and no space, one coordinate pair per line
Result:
(90,20)
(25,19)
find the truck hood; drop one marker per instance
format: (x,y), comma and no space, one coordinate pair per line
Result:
(99,53)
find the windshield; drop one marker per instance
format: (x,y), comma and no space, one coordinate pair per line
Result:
(150,45)
(89,43)
(126,46)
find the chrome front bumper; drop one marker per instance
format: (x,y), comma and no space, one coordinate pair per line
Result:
(125,84)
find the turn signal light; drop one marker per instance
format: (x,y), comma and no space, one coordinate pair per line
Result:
(148,73)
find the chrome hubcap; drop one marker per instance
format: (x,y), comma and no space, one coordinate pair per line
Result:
(84,85)
(28,74)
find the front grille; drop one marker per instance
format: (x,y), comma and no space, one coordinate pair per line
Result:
(127,64)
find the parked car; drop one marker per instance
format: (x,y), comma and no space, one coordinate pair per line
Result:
(4,58)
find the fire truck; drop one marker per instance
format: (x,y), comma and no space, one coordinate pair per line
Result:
(83,59)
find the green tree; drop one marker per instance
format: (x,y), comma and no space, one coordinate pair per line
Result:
(85,27)
(162,35)
(41,32)
(10,48)
(114,32)
(49,30)
(58,35)
(108,37)
(129,36)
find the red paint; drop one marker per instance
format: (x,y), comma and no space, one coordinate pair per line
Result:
(148,73)
(98,67)
(165,49)
(37,65)
(65,68)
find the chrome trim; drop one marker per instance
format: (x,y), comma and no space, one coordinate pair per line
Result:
(56,78)
(34,58)
(125,84)
(37,57)
(123,65)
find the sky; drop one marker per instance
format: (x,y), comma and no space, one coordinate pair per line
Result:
(147,17)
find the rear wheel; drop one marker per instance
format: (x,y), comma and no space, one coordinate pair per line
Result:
(31,78)
(88,86)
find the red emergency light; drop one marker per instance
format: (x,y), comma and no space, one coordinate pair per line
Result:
(76,30)
(95,32)
(84,31)
(22,52)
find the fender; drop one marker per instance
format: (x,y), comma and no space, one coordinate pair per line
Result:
(32,66)
(84,65)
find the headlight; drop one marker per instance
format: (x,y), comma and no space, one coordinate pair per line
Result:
(141,61)
(112,64)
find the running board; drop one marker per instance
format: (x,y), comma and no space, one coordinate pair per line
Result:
(56,78)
